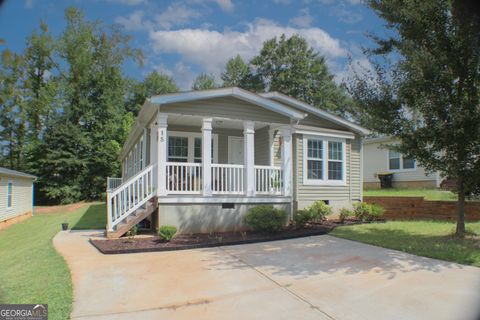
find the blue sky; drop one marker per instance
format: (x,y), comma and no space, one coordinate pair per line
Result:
(186,37)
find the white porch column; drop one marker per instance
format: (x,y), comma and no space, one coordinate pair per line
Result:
(286,134)
(144,149)
(207,156)
(249,157)
(162,154)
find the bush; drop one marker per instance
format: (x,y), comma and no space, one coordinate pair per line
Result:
(344,214)
(266,218)
(132,232)
(301,217)
(368,212)
(319,210)
(167,232)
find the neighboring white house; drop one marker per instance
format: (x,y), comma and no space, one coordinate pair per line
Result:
(16,196)
(407,173)
(203,158)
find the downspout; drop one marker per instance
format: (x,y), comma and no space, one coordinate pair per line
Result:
(361,170)
(350,172)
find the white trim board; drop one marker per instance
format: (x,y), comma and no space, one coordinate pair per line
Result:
(230,199)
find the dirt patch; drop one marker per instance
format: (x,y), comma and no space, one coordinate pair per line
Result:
(56,209)
(205,240)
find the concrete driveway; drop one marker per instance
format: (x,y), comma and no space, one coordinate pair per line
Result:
(320,277)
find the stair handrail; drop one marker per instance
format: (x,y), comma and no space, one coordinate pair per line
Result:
(122,202)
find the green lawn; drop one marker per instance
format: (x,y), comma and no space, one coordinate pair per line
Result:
(428,194)
(31,270)
(424,238)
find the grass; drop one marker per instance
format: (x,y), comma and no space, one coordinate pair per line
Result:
(31,269)
(431,239)
(428,194)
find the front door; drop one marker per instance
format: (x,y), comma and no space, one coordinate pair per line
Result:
(235,150)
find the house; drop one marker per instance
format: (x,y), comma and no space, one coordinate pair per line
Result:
(16,196)
(203,158)
(407,173)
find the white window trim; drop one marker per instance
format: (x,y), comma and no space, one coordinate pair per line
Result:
(11,195)
(191,143)
(401,164)
(324,181)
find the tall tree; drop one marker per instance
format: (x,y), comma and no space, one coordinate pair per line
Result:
(425,88)
(204,81)
(236,71)
(293,68)
(155,83)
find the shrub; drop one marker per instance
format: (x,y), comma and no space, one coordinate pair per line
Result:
(132,232)
(344,214)
(368,212)
(266,218)
(301,217)
(167,232)
(319,210)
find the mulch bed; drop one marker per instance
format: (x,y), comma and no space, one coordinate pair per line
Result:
(205,240)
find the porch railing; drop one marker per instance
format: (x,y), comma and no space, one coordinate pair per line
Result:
(268,180)
(184,177)
(227,179)
(130,195)
(113,183)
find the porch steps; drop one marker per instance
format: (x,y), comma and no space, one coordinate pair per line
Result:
(138,215)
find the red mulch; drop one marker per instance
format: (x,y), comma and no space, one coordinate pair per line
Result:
(205,240)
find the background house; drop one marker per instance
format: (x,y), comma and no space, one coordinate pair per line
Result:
(407,173)
(16,196)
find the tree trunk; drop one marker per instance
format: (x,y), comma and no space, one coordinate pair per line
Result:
(460,231)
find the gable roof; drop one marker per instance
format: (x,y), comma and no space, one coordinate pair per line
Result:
(14,173)
(315,111)
(230,92)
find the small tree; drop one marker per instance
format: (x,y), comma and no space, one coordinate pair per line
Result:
(424,89)
(204,81)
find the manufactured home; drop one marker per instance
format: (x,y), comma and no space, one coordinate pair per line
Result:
(200,160)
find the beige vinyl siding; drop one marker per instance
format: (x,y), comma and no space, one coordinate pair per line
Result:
(376,160)
(21,199)
(225,108)
(312,120)
(277,150)
(262,147)
(338,196)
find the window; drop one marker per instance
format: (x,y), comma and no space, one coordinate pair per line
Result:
(314,159)
(177,149)
(9,194)
(335,160)
(197,152)
(324,160)
(396,161)
(393,160)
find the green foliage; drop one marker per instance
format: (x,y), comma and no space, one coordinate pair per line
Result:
(345,214)
(204,82)
(368,212)
(132,232)
(319,210)
(167,232)
(237,74)
(423,87)
(301,218)
(316,212)
(266,218)
(290,66)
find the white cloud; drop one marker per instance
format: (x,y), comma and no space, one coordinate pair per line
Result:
(284,2)
(134,22)
(128,2)
(29,4)
(346,15)
(182,73)
(354,2)
(211,49)
(303,19)
(176,15)
(225,5)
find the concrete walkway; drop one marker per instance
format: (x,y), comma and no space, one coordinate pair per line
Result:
(321,277)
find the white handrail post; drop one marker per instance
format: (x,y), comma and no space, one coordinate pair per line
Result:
(249,156)
(286,134)
(162,154)
(109,213)
(207,156)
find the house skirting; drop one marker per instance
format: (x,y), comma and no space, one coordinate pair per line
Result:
(7,223)
(209,217)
